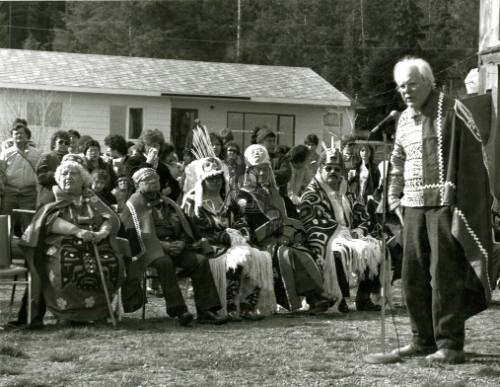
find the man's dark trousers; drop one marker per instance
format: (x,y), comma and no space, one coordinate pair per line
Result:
(434,273)
(195,266)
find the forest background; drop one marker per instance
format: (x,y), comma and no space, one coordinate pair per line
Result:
(351,43)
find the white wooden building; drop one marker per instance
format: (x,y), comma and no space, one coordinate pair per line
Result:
(100,94)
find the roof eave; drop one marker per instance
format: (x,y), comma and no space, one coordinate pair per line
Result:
(303,101)
(150,93)
(79,89)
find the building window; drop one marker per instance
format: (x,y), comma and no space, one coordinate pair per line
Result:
(333,119)
(243,124)
(134,122)
(181,123)
(46,116)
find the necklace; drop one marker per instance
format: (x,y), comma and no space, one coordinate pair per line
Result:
(213,204)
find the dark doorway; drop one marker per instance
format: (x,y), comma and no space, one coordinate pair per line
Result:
(181,123)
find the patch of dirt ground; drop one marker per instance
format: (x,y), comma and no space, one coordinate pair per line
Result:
(282,350)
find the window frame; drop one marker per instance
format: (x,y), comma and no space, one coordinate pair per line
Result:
(247,131)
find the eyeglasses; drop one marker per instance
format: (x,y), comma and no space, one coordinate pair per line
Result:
(407,86)
(62,142)
(332,169)
(231,150)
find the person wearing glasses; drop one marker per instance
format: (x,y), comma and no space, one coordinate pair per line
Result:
(337,235)
(48,163)
(438,187)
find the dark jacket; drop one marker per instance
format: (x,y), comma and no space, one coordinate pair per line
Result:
(45,169)
(134,163)
(282,172)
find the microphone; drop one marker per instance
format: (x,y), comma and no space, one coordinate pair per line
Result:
(391,116)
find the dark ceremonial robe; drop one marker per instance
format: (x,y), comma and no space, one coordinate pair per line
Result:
(321,225)
(212,224)
(272,221)
(318,217)
(64,268)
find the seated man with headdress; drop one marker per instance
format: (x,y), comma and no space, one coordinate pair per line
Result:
(274,227)
(72,252)
(336,233)
(160,237)
(238,269)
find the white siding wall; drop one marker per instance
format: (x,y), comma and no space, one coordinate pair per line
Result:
(87,113)
(90,113)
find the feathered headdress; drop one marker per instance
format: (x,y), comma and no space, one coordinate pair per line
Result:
(202,146)
(330,155)
(206,165)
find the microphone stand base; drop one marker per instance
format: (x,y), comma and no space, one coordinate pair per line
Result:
(382,358)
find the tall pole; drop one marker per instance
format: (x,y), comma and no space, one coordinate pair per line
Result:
(238,31)
(10,24)
(362,13)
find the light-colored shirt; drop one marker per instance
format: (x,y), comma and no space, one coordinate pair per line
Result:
(18,172)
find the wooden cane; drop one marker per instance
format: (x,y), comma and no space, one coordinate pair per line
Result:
(105,288)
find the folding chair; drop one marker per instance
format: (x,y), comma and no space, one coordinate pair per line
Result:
(15,252)
(9,273)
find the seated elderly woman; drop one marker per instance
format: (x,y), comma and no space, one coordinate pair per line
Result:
(243,274)
(71,250)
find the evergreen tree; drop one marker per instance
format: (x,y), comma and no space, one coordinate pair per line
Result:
(406,26)
(351,43)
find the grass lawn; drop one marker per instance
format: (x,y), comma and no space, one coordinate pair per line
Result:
(283,350)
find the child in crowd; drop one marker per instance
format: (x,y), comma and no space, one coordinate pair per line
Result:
(122,192)
(100,179)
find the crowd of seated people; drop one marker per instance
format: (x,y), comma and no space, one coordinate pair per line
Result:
(257,230)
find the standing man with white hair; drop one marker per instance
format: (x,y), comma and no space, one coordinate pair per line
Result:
(438,187)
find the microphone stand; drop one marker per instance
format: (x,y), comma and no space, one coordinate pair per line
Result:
(383,357)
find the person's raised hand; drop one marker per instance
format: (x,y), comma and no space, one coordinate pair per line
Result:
(152,156)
